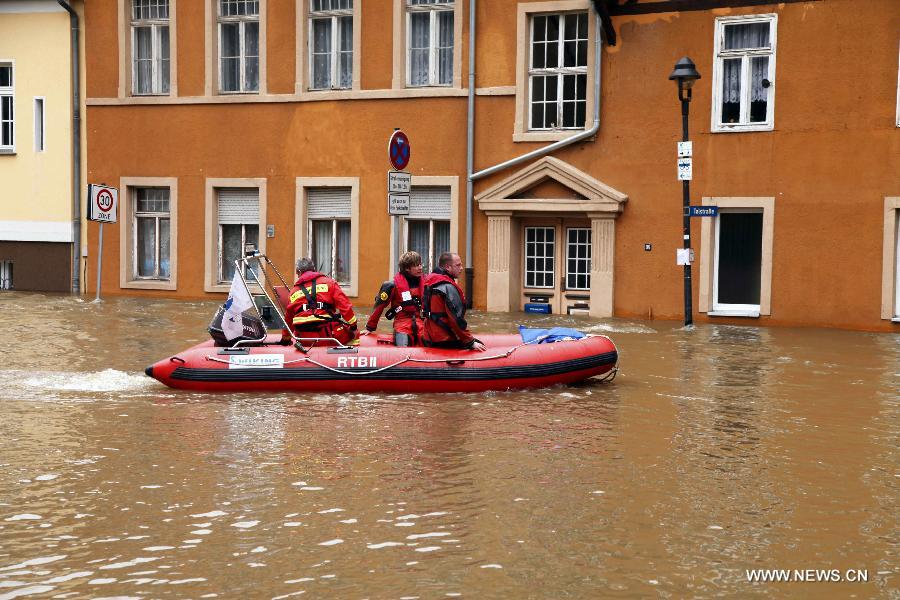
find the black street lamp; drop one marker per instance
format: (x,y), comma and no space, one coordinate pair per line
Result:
(685,74)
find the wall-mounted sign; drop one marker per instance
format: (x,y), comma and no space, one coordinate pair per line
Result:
(103,202)
(704,211)
(685,169)
(398,204)
(685,149)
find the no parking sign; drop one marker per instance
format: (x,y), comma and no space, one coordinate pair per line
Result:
(103,202)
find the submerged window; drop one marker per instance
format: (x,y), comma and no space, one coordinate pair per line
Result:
(744,72)
(238,226)
(578,258)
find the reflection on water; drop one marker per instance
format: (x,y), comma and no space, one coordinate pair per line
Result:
(715,450)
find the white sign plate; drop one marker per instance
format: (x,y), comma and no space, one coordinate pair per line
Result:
(103,201)
(398,204)
(256,361)
(399,182)
(684,256)
(685,149)
(685,169)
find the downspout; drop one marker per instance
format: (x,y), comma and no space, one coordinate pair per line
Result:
(470,155)
(76,148)
(471,176)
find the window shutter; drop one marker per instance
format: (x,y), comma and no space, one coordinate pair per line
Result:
(240,205)
(426,202)
(328,203)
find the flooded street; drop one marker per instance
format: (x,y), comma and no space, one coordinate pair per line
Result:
(715,451)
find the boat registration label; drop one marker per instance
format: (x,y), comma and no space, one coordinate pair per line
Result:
(257,361)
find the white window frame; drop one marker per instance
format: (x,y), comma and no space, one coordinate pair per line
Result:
(40,124)
(587,261)
(433,10)
(559,71)
(156,79)
(220,275)
(720,55)
(10,92)
(719,307)
(242,21)
(525,257)
(136,214)
(335,16)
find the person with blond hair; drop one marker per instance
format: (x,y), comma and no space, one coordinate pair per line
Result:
(404,296)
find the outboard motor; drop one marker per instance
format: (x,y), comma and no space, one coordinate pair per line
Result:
(254,329)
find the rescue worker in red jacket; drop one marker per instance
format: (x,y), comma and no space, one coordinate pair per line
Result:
(444,307)
(404,295)
(318,307)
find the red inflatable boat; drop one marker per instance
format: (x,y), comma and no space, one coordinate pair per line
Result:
(379,366)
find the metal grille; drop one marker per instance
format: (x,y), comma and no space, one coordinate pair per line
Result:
(328,203)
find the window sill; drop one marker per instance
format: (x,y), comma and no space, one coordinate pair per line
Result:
(742,128)
(752,314)
(8,151)
(149,284)
(546,136)
(895,320)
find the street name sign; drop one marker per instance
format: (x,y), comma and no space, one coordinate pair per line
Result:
(704,211)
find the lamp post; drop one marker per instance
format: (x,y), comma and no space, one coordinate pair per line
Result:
(685,74)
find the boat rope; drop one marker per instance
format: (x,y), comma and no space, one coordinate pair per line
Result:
(610,375)
(372,372)
(461,360)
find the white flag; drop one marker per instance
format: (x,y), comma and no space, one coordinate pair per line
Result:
(238,301)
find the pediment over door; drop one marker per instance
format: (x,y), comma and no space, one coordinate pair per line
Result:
(551,185)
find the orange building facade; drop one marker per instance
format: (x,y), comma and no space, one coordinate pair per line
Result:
(226,122)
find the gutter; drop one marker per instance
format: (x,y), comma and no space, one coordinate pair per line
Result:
(471,176)
(76,147)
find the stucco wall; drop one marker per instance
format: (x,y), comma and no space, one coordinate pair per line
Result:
(833,156)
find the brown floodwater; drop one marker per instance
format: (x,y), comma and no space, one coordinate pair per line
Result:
(715,451)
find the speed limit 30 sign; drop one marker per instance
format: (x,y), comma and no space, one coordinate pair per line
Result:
(103,202)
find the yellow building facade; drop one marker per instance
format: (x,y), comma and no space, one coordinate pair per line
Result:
(36,151)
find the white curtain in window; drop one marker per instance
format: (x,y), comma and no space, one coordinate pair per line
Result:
(419,43)
(745,36)
(143,59)
(231,57)
(321,245)
(321,53)
(445,47)
(346,52)
(164,59)
(251,56)
(342,251)
(418,239)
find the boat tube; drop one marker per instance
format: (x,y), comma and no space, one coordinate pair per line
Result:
(379,366)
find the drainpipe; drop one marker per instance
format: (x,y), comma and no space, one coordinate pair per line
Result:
(470,154)
(76,148)
(471,176)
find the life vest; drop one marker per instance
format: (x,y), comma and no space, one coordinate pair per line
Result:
(318,306)
(438,327)
(406,304)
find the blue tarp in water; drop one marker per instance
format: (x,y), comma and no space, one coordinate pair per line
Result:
(532,335)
